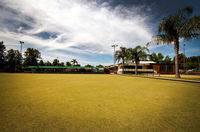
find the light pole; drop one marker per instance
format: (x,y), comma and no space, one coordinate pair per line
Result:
(114,46)
(184,58)
(21,42)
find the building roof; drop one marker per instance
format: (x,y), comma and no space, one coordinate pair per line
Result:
(147,62)
(141,62)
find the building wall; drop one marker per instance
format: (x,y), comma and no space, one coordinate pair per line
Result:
(141,69)
(164,69)
(151,68)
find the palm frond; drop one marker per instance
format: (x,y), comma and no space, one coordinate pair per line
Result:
(161,39)
(172,24)
(185,12)
(191,28)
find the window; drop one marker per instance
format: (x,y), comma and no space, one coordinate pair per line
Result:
(149,67)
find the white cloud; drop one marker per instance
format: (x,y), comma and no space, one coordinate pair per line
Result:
(80,23)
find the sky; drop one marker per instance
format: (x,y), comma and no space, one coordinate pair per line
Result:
(86,29)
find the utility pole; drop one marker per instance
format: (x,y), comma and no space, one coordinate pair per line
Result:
(114,46)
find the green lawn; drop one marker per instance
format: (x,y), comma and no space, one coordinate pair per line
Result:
(92,103)
(183,77)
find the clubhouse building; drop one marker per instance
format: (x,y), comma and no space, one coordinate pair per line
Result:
(144,67)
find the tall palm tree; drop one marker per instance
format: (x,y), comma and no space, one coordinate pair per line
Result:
(178,26)
(74,62)
(121,55)
(136,54)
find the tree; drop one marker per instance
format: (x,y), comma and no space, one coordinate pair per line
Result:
(74,62)
(68,63)
(41,63)
(135,54)
(100,65)
(178,26)
(88,65)
(62,64)
(167,60)
(48,63)
(193,62)
(121,55)
(55,62)
(78,65)
(31,57)
(158,58)
(2,55)
(13,60)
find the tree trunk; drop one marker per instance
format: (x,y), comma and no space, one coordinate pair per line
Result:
(122,66)
(135,68)
(176,50)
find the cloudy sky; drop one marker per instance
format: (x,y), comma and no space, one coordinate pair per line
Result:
(86,29)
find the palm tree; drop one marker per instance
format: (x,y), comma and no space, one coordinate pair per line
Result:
(55,62)
(178,26)
(136,54)
(74,62)
(158,58)
(121,55)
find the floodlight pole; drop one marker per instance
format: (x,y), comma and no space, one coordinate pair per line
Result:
(21,43)
(184,61)
(114,46)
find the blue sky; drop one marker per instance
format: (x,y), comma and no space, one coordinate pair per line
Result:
(86,29)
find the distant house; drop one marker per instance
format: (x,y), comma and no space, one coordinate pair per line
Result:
(144,67)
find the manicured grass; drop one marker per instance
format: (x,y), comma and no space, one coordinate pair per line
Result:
(183,77)
(92,103)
